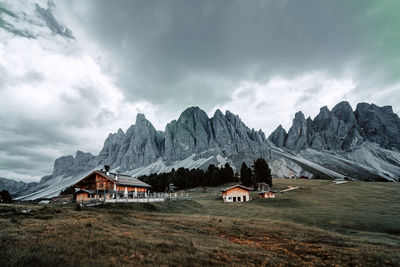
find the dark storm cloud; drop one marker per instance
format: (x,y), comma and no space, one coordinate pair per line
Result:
(191,52)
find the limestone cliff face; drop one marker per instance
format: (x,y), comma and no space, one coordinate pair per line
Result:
(278,137)
(341,129)
(190,134)
(353,134)
(139,146)
(15,188)
(69,165)
(193,133)
(363,144)
(297,138)
(379,124)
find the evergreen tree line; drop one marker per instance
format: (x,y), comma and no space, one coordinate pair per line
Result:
(261,173)
(184,178)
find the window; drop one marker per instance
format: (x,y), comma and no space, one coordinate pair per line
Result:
(239,199)
(101,185)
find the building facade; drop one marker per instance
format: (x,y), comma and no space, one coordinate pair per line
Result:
(236,193)
(102,185)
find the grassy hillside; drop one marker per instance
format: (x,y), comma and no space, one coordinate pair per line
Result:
(322,224)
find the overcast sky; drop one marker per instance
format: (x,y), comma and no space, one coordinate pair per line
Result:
(71,71)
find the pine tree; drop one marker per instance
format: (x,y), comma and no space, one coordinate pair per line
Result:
(5,196)
(227,174)
(245,175)
(262,172)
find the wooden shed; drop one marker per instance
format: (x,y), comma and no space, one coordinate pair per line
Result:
(236,193)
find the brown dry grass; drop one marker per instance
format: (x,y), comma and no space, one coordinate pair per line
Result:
(316,226)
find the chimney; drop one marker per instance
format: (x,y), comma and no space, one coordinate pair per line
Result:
(107,168)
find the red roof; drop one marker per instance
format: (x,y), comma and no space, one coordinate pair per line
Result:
(237,185)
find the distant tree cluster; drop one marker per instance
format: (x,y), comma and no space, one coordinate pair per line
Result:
(185,178)
(5,196)
(261,173)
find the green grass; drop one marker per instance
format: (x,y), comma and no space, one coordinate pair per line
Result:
(356,223)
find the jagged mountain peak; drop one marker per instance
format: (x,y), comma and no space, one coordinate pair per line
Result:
(342,128)
(142,123)
(379,124)
(193,111)
(387,109)
(192,115)
(299,116)
(334,144)
(372,107)
(278,137)
(343,111)
(140,117)
(343,105)
(324,113)
(218,113)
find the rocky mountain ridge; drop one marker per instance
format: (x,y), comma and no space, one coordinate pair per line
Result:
(341,129)
(363,144)
(193,133)
(15,188)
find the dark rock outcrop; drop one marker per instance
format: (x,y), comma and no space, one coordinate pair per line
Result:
(69,165)
(278,137)
(379,124)
(193,133)
(298,133)
(342,129)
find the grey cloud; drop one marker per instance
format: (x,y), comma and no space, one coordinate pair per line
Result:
(104,117)
(29,146)
(56,27)
(7,78)
(166,49)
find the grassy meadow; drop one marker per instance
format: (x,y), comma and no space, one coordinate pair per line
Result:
(355,224)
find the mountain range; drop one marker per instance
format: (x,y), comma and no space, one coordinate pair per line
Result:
(362,144)
(15,188)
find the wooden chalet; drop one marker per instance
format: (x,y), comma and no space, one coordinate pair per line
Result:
(102,185)
(236,193)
